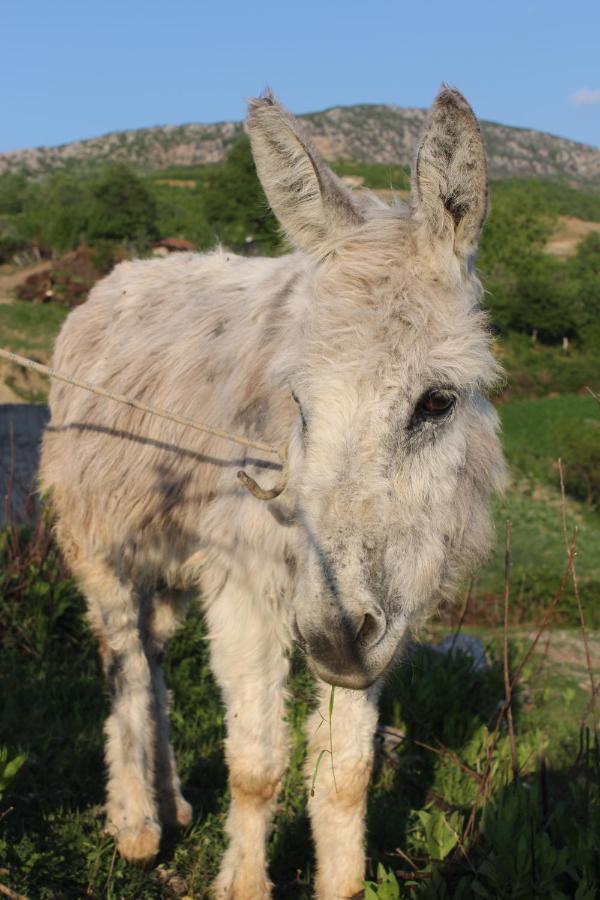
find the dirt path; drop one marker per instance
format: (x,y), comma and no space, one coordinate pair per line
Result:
(568,234)
(565,649)
(13,276)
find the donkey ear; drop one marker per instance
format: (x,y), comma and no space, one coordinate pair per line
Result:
(450,176)
(305,195)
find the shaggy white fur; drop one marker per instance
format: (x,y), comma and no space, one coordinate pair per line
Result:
(366,353)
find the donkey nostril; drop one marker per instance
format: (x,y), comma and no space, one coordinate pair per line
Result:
(370,629)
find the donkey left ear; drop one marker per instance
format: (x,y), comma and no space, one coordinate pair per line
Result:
(307,198)
(450,175)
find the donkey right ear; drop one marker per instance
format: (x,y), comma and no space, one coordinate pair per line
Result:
(307,198)
(450,177)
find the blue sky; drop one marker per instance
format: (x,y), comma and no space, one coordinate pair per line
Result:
(77,69)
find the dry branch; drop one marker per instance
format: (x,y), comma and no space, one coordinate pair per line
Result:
(586,644)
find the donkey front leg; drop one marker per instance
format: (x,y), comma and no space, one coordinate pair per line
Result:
(249,643)
(342,748)
(130,729)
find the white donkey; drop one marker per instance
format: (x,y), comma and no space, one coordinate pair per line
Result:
(366,354)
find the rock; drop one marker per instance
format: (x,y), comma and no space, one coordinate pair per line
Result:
(463,643)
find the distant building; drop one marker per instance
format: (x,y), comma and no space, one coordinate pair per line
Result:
(171,245)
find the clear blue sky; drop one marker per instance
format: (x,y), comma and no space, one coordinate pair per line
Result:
(71,70)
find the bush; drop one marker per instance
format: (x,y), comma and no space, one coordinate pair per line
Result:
(235,205)
(13,191)
(121,208)
(581,447)
(56,212)
(528,290)
(10,240)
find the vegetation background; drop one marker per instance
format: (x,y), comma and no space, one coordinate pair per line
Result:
(464,803)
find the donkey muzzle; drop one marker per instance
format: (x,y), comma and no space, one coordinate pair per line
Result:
(349,651)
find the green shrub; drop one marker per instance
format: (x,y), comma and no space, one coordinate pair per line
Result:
(9,768)
(581,448)
(122,208)
(56,212)
(235,205)
(527,289)
(375,176)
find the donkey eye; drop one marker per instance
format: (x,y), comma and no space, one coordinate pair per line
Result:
(435,404)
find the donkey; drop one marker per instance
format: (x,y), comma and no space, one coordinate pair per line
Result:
(364,352)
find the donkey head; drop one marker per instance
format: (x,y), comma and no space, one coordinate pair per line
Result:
(395,450)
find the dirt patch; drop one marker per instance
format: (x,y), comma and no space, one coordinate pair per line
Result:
(177,182)
(564,649)
(12,277)
(7,395)
(23,384)
(66,280)
(568,234)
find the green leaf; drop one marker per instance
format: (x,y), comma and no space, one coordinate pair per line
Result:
(316,772)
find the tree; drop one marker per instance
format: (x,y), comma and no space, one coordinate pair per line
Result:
(122,208)
(13,192)
(56,212)
(235,204)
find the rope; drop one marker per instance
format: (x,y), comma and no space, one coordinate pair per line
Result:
(246,480)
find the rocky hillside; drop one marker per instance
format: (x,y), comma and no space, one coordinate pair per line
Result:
(365,133)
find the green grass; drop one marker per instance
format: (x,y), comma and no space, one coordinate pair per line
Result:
(53,704)
(551,197)
(533,431)
(30,327)
(539,557)
(536,370)
(534,436)
(376,176)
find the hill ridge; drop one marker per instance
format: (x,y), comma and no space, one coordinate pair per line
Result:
(365,132)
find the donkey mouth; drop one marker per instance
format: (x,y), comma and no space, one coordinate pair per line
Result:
(354,669)
(353,681)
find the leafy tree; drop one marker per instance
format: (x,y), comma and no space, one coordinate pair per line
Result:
(584,269)
(13,192)
(235,204)
(180,213)
(56,212)
(122,208)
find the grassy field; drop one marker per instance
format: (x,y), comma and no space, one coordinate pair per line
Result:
(536,433)
(28,329)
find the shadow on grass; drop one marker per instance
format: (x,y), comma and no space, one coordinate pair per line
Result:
(433,699)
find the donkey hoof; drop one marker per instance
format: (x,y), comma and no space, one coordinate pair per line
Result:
(138,844)
(183,813)
(179,814)
(243,886)
(175,812)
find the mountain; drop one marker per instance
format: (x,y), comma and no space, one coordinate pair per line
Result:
(363,133)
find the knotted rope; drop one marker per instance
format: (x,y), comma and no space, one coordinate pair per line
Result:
(247,481)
